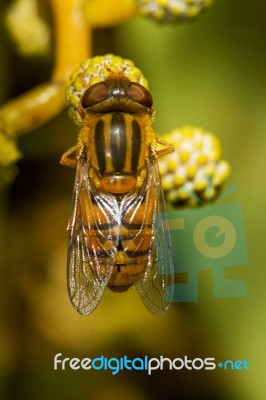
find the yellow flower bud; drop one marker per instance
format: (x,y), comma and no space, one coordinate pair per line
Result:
(94,70)
(197,172)
(172,10)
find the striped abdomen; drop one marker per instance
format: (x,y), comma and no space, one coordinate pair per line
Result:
(126,245)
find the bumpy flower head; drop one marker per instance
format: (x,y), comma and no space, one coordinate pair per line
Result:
(95,70)
(194,172)
(29,31)
(172,10)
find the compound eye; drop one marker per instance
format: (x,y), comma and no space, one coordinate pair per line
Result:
(94,95)
(139,94)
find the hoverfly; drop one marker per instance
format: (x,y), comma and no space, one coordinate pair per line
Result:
(114,240)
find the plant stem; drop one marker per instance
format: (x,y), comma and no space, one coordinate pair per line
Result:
(73,45)
(72,38)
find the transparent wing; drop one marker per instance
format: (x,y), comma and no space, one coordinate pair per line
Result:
(93,239)
(155,282)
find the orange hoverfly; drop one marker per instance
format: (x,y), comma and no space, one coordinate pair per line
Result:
(117,236)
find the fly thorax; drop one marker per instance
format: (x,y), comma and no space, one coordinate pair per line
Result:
(119,151)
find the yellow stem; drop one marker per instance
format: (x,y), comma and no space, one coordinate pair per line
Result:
(73,45)
(32,109)
(72,37)
(104,13)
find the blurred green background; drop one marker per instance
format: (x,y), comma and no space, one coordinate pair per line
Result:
(209,73)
